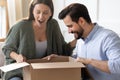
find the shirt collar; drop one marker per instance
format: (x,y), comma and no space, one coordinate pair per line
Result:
(92,33)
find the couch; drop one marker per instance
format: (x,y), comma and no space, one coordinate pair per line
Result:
(2,58)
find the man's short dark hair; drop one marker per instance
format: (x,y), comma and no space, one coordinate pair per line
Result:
(75,11)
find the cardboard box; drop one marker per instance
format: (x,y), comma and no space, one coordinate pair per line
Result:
(58,68)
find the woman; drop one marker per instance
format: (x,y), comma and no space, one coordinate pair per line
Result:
(36,37)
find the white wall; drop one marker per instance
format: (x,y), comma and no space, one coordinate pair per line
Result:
(58,6)
(109,14)
(104,12)
(91,5)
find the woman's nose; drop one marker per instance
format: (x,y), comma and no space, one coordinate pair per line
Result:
(41,16)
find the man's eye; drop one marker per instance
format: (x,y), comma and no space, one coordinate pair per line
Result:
(69,26)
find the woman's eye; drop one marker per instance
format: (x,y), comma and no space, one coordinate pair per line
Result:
(45,13)
(38,12)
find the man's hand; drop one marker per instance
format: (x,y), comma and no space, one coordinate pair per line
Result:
(83,60)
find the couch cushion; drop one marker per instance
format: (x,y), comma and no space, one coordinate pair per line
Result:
(2,58)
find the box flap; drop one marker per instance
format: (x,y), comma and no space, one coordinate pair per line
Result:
(13,66)
(53,59)
(57,65)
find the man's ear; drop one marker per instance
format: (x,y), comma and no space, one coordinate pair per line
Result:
(81,21)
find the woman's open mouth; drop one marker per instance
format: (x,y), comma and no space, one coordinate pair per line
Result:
(41,21)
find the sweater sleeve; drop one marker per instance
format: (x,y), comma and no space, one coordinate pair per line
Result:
(11,42)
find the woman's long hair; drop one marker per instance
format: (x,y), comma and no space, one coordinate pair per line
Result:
(49,3)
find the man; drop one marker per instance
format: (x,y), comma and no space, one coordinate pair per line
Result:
(100,49)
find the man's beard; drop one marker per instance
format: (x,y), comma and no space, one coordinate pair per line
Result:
(78,34)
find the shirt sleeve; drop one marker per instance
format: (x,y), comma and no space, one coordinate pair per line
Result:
(113,53)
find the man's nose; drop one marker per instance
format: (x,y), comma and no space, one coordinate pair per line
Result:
(69,30)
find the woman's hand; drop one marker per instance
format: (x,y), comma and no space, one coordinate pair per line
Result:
(20,58)
(50,56)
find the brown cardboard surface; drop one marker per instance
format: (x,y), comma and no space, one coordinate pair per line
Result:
(53,59)
(55,65)
(59,68)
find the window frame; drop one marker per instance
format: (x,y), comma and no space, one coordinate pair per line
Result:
(7,20)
